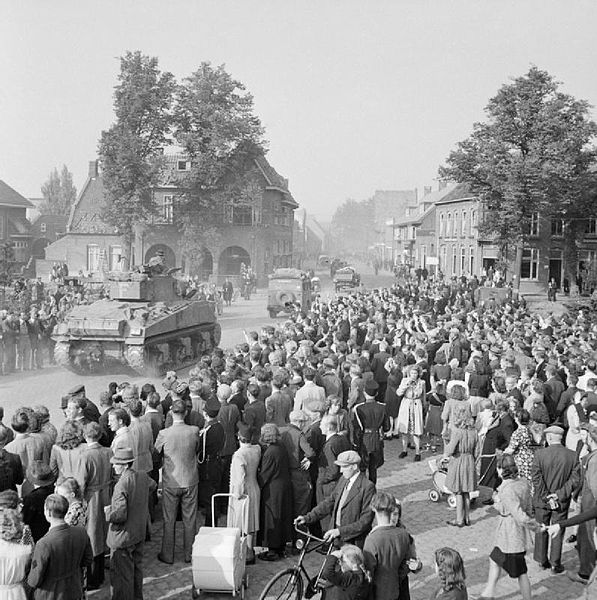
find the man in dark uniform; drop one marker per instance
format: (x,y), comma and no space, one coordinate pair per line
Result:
(90,411)
(371,422)
(210,460)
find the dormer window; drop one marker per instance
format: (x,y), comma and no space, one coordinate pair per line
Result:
(183,165)
(43,227)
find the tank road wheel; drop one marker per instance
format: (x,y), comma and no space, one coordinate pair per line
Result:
(135,358)
(62,354)
(216,335)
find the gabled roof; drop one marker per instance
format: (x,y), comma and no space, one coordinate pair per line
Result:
(414,220)
(18,226)
(461,192)
(436,197)
(274,180)
(10,197)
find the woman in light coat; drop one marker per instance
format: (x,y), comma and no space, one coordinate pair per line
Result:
(410,415)
(244,486)
(65,457)
(514,531)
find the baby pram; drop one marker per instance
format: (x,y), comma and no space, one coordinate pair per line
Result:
(439,471)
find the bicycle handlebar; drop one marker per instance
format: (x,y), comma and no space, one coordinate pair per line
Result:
(309,535)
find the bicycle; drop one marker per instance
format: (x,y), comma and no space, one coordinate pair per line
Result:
(288,584)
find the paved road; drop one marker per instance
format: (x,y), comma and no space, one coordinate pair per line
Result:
(409,481)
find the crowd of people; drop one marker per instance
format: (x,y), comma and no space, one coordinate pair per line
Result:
(292,423)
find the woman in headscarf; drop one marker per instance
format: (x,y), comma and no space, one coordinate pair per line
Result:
(275,518)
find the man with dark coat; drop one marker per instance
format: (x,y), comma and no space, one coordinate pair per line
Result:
(348,505)
(59,556)
(279,404)
(328,473)
(254,414)
(127,517)
(371,422)
(211,444)
(11,468)
(300,455)
(379,371)
(556,474)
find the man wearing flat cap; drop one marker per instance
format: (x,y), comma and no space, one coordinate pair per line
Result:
(348,505)
(370,423)
(556,475)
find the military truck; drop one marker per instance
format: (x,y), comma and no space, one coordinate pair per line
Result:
(146,324)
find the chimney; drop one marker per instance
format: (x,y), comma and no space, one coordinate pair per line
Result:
(93,169)
(442,184)
(426,190)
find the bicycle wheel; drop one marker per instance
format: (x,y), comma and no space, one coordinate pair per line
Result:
(285,585)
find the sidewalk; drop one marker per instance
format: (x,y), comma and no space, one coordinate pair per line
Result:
(425,520)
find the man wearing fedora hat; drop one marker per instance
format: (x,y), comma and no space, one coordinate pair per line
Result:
(127,517)
(348,505)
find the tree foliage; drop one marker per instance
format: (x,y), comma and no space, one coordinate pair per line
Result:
(353,226)
(59,193)
(210,116)
(533,154)
(215,124)
(131,150)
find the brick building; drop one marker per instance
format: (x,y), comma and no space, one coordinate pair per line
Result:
(259,233)
(14,226)
(445,235)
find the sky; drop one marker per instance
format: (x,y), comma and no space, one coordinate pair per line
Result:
(355,96)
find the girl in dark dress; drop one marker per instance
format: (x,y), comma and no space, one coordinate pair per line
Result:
(275,520)
(345,570)
(392,402)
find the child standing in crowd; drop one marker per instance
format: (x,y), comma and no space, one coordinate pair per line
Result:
(345,570)
(450,570)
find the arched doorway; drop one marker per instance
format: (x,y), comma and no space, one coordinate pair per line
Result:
(231,259)
(206,266)
(169,256)
(38,247)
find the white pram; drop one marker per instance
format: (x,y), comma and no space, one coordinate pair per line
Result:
(219,555)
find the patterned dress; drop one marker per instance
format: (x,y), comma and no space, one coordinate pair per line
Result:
(520,448)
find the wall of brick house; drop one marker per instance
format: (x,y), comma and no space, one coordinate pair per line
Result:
(73,247)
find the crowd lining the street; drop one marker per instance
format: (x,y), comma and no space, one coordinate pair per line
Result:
(293,421)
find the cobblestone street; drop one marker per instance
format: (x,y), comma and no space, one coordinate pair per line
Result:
(424,519)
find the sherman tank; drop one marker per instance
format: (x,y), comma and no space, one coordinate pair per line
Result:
(146,324)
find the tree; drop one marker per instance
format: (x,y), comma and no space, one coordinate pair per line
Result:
(215,124)
(532,155)
(59,193)
(353,226)
(131,150)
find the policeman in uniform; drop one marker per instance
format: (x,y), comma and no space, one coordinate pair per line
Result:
(209,458)
(371,422)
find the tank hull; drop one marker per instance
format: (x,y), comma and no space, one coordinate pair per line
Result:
(147,338)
